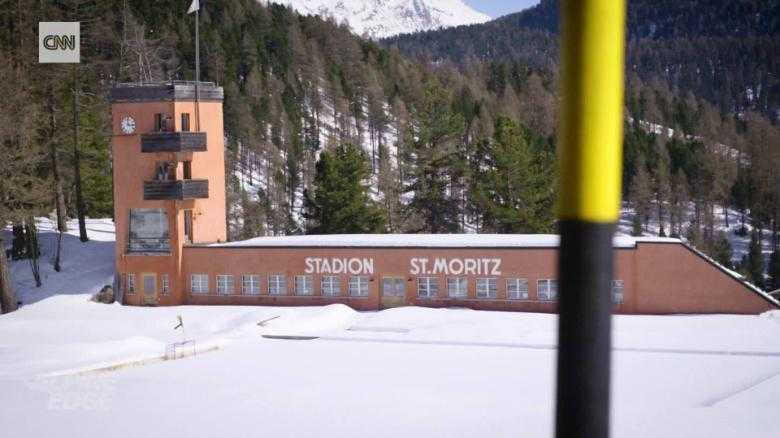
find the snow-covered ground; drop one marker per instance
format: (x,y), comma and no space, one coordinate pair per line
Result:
(74,368)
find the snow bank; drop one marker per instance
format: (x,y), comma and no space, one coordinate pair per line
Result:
(315,322)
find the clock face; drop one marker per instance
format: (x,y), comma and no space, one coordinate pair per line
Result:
(128,125)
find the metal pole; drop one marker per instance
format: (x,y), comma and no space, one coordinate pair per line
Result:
(197,68)
(590,159)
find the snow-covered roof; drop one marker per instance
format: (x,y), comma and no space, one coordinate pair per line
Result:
(426,241)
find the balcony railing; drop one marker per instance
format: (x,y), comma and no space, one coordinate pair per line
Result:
(176,190)
(173,142)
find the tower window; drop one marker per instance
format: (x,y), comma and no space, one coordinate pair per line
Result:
(185,122)
(187,169)
(188,226)
(149,230)
(158,122)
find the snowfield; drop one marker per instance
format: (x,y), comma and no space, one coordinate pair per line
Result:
(70,367)
(383,18)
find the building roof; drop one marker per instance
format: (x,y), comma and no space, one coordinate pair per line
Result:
(425,241)
(164,91)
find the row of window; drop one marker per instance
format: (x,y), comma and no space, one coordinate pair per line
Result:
(277,285)
(427,287)
(516,288)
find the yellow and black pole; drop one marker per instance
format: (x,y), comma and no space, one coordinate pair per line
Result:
(590,158)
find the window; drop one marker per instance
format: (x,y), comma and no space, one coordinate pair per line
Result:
(487,288)
(158,122)
(617,291)
(547,290)
(393,287)
(186,169)
(277,285)
(427,287)
(130,283)
(149,230)
(358,286)
(457,287)
(185,122)
(331,286)
(165,284)
(188,226)
(304,285)
(250,284)
(516,289)
(199,283)
(225,285)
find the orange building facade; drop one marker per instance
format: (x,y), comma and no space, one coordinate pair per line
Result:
(170,212)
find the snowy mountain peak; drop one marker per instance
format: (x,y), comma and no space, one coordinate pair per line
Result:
(383,18)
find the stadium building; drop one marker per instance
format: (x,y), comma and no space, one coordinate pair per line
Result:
(171,248)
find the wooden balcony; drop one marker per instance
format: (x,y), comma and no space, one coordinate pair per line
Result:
(173,142)
(176,190)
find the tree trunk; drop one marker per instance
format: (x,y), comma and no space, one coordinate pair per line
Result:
(59,193)
(7,296)
(58,253)
(77,159)
(33,251)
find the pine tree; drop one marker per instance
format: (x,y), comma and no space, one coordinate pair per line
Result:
(679,204)
(754,267)
(431,156)
(721,250)
(774,271)
(341,203)
(511,190)
(662,187)
(641,193)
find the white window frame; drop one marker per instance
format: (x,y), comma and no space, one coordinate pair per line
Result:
(550,288)
(618,292)
(130,284)
(277,285)
(307,281)
(250,284)
(226,284)
(358,286)
(165,284)
(461,289)
(330,285)
(199,284)
(487,288)
(518,293)
(427,287)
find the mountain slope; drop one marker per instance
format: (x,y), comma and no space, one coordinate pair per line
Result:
(383,18)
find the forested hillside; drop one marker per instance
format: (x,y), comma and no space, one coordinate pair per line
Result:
(327,132)
(725,51)
(702,101)
(296,87)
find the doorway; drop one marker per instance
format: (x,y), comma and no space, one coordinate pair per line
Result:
(150,289)
(393,292)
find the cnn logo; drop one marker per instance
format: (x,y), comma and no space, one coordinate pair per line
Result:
(58,42)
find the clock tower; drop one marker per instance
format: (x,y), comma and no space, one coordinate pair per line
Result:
(169,184)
